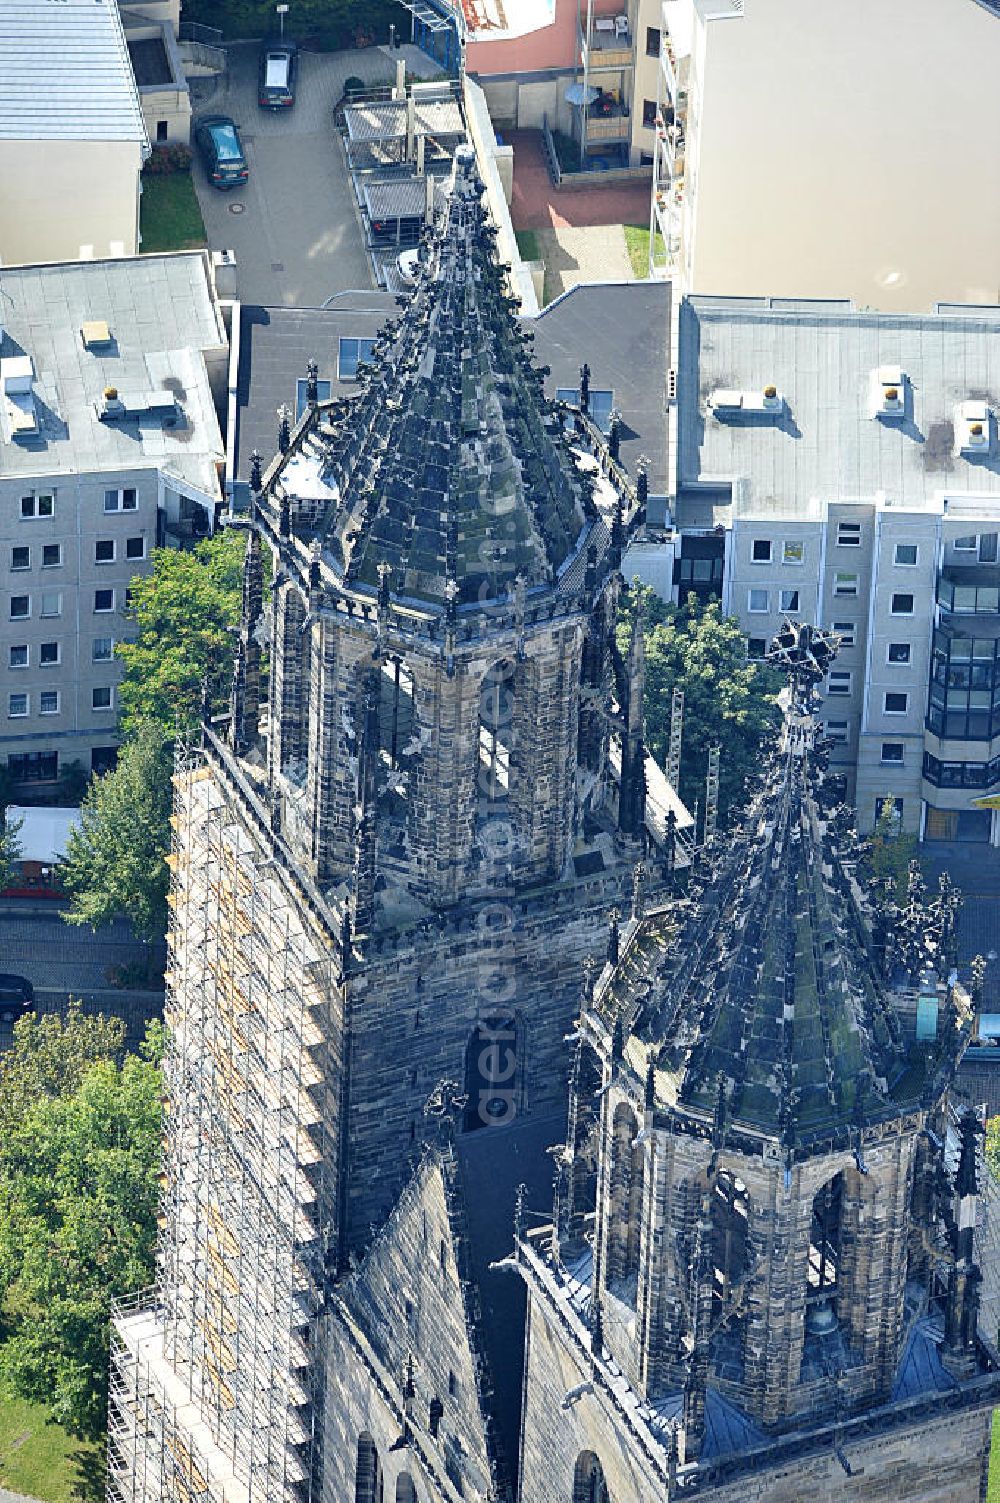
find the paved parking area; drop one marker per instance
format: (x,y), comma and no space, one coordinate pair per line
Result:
(294,228)
(61,960)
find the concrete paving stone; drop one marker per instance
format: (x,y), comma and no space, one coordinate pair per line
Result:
(595,253)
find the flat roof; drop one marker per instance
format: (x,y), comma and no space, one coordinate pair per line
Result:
(385,120)
(161,316)
(824,444)
(65,73)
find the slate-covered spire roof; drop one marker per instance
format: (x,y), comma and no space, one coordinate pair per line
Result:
(449,468)
(761,984)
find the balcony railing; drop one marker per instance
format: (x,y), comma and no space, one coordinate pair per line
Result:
(608,122)
(607,49)
(968,592)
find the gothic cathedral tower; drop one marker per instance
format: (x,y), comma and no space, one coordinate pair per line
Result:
(394,871)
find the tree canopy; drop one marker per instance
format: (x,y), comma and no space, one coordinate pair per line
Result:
(186,610)
(115,861)
(10,848)
(726,698)
(78,1196)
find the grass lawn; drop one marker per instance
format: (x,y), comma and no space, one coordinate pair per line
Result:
(169,216)
(527,244)
(38,1457)
(637,245)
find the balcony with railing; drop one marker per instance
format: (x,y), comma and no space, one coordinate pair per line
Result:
(610,44)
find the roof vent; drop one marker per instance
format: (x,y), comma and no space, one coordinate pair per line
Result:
(888,392)
(19,415)
(151,406)
(973,429)
(95,333)
(730,404)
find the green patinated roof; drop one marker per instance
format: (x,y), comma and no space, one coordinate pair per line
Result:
(455,470)
(765,985)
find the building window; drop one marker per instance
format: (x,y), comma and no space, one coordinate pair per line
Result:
(122,500)
(17,705)
(846,631)
(48,654)
(652,41)
(649,113)
(838,731)
(760,550)
(323,388)
(793,551)
(161,131)
(18,657)
(756,648)
(988,548)
(788,600)
(898,652)
(33,767)
(840,682)
(966,544)
(52,603)
(104,600)
(48,702)
(849,534)
(135,547)
(100,699)
(104,551)
(758,601)
(906,553)
(896,704)
(600,403)
(52,556)
(103,649)
(892,751)
(902,605)
(845,584)
(20,558)
(37,506)
(350,354)
(20,607)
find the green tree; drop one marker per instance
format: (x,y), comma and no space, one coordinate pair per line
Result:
(115,862)
(49,1057)
(10,848)
(891,850)
(185,611)
(78,1200)
(344,23)
(726,698)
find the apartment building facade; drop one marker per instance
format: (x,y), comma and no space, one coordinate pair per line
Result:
(775,127)
(109,445)
(845,467)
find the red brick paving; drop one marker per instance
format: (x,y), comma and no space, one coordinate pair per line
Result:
(537,205)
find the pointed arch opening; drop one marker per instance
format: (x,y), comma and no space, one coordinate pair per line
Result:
(824,1268)
(624,1239)
(495,760)
(405,1490)
(368,1484)
(586,1137)
(589,1484)
(730,1236)
(491,1072)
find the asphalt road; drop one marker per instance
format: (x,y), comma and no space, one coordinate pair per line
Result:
(294,228)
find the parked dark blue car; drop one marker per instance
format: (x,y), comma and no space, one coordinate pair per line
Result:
(221,149)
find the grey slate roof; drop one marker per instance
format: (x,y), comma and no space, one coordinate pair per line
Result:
(161,317)
(65,73)
(825,445)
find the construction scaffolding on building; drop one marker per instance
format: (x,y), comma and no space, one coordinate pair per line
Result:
(247,1213)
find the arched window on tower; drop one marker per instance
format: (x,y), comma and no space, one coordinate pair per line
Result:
(368,1486)
(824,1253)
(730,1223)
(626,1204)
(405,1490)
(491,1064)
(589,1485)
(494,759)
(395,710)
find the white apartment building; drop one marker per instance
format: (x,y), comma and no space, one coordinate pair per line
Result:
(846,466)
(830,148)
(109,444)
(72,136)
